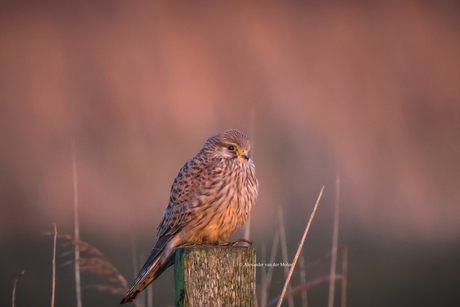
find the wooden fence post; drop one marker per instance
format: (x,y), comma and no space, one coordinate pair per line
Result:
(214,276)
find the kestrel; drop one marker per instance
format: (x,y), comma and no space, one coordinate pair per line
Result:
(210,197)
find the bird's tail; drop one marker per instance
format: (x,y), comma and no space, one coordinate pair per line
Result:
(161,258)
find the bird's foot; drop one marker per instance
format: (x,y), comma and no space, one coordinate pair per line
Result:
(232,243)
(242,240)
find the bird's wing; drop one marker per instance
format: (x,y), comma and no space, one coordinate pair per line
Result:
(184,190)
(176,216)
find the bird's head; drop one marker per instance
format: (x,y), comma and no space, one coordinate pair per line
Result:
(230,144)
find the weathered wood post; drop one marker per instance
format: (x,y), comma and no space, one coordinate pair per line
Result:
(214,276)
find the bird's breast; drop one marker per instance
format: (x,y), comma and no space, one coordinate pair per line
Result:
(224,204)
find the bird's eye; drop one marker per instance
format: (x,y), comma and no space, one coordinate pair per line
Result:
(231,148)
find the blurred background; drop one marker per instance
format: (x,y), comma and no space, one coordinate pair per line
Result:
(367,91)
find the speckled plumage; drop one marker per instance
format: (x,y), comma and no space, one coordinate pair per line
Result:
(210,197)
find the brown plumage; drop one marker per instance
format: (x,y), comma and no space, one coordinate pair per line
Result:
(210,197)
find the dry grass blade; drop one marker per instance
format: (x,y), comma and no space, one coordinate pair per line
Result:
(134,254)
(315,263)
(141,297)
(76,224)
(343,301)
(263,293)
(99,264)
(252,124)
(272,260)
(299,249)
(15,283)
(54,266)
(101,267)
(136,269)
(82,245)
(304,286)
(284,251)
(325,256)
(335,238)
(247,228)
(303,279)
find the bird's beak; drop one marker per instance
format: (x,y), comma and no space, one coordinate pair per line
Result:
(245,155)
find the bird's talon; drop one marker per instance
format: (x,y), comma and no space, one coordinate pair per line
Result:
(241,240)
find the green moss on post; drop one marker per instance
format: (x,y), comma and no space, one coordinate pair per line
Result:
(214,276)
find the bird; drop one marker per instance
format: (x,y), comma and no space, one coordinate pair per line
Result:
(210,198)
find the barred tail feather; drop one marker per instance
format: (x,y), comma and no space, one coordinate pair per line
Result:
(159,260)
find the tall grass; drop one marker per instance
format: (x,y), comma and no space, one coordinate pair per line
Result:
(14,287)
(284,252)
(335,238)
(252,129)
(303,279)
(54,266)
(299,249)
(76,223)
(96,262)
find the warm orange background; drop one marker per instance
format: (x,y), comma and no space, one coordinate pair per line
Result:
(371,86)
